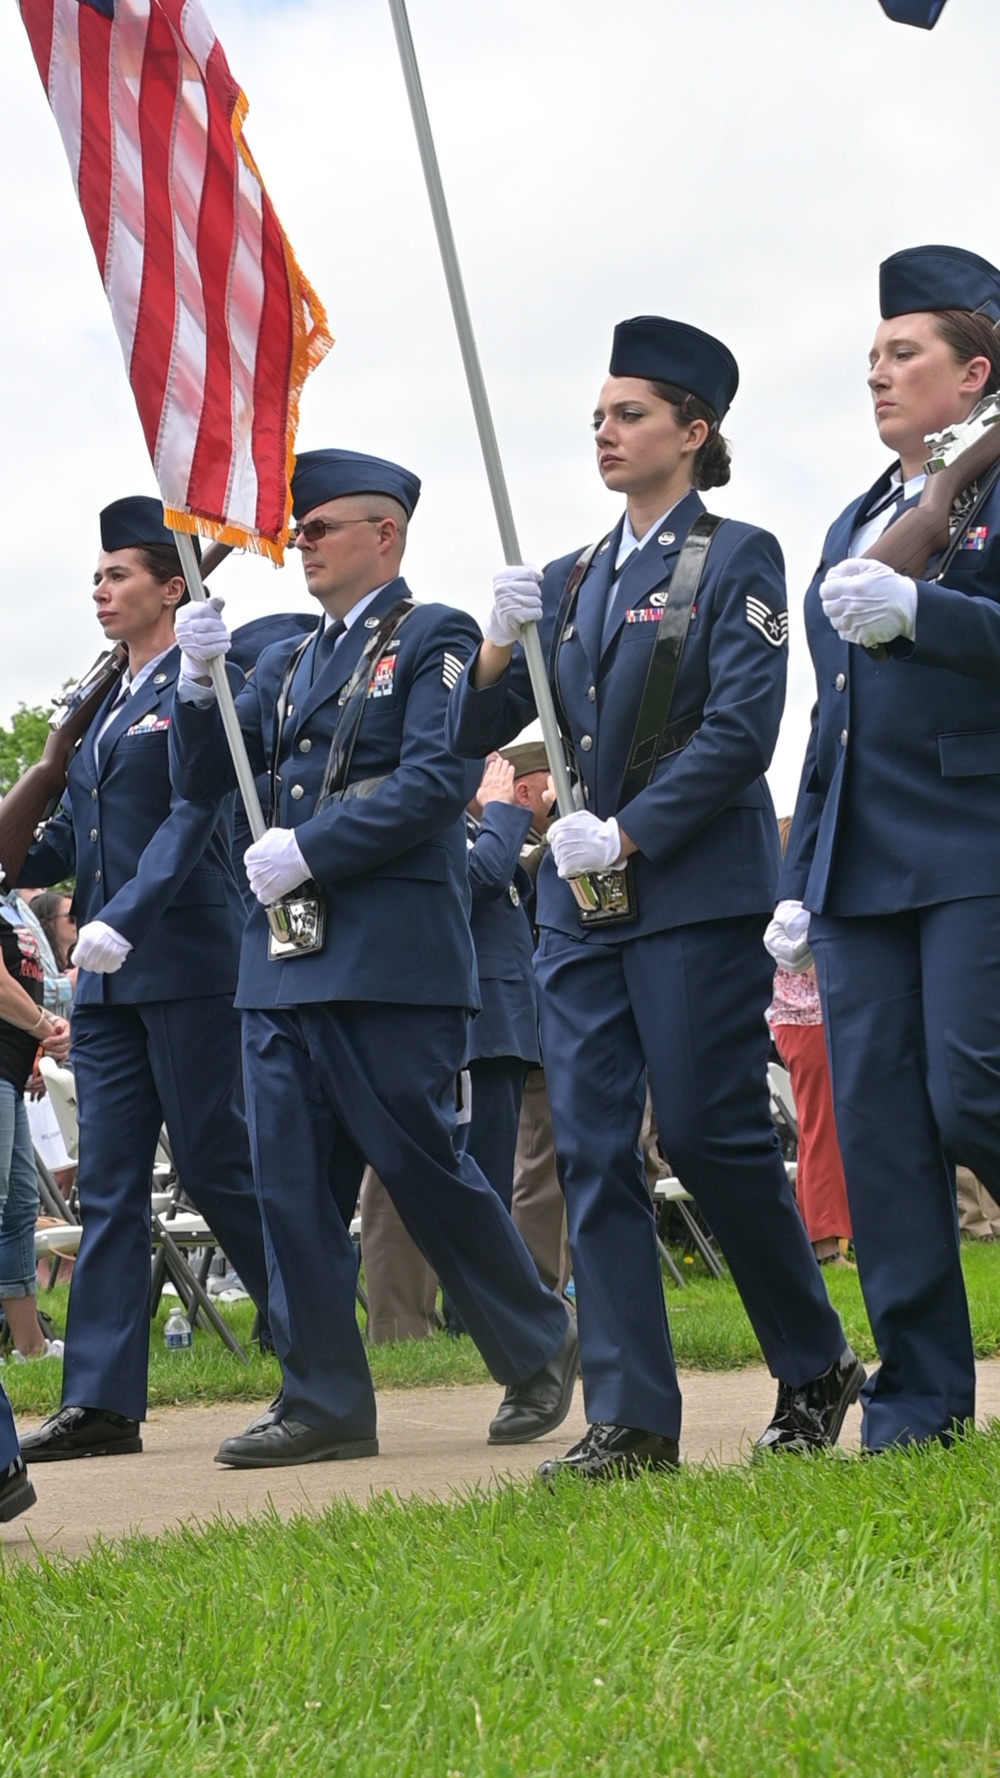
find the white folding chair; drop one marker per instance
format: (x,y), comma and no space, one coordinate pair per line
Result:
(669,1192)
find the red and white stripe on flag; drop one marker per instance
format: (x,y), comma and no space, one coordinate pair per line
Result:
(217,324)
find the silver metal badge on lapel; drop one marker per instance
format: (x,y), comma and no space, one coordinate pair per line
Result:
(605,545)
(666,537)
(159,679)
(372,623)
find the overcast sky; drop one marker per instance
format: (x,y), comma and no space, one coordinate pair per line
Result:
(740,164)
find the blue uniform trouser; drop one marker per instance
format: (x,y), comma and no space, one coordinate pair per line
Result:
(912,1009)
(329,1087)
(491,1139)
(688,1005)
(137,1067)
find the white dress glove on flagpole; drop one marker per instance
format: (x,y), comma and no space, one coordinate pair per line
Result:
(100,948)
(202,637)
(869,603)
(581,842)
(274,865)
(517,600)
(787,937)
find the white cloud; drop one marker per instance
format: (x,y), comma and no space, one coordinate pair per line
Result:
(744,166)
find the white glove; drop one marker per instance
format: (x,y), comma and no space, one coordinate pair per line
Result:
(202,637)
(581,842)
(100,948)
(517,600)
(787,937)
(869,603)
(275,865)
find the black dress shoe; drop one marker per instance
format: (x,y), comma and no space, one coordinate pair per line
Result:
(284,1442)
(810,1418)
(82,1432)
(540,1404)
(16,1491)
(606,1451)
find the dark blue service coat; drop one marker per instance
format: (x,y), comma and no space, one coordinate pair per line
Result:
(895,847)
(680,991)
(153,866)
(705,826)
(392,864)
(898,799)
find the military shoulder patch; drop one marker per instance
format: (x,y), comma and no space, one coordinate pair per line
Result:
(452,670)
(773,625)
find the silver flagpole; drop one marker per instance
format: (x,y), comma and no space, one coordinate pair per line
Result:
(533,656)
(223,694)
(277,914)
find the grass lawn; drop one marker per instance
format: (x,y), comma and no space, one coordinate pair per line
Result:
(710,1332)
(808,1617)
(803,1617)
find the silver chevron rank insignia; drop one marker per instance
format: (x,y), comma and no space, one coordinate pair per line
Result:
(773,625)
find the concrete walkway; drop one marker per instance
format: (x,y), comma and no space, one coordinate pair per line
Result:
(433,1444)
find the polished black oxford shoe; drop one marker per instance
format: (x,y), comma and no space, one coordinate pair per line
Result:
(538,1405)
(281,1443)
(606,1451)
(16,1491)
(810,1418)
(82,1432)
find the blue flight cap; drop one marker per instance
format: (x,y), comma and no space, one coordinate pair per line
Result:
(922,278)
(328,475)
(134,521)
(672,352)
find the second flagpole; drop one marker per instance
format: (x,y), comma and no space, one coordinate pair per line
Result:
(534,659)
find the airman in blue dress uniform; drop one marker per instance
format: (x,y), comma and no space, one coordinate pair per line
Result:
(351,1051)
(680,989)
(893,861)
(155,1036)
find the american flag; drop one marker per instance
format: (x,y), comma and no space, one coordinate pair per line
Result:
(218,326)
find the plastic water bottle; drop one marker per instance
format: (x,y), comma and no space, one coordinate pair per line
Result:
(177,1334)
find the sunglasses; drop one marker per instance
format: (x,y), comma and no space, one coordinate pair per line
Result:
(314,530)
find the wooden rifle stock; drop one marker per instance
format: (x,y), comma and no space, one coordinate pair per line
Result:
(36,794)
(911,540)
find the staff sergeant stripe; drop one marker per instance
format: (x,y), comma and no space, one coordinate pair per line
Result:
(773,625)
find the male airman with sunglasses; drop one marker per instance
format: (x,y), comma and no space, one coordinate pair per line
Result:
(354,1028)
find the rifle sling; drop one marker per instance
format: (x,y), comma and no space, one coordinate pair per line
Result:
(352,705)
(655,736)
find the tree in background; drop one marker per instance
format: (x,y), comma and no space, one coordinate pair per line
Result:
(21,743)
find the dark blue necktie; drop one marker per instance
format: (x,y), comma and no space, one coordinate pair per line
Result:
(612,592)
(326,644)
